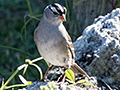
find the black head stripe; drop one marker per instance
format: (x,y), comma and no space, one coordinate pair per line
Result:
(53,11)
(59,11)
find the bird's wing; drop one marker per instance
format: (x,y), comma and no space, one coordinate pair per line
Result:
(70,46)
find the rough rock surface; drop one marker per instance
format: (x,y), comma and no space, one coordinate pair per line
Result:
(57,75)
(40,85)
(98,49)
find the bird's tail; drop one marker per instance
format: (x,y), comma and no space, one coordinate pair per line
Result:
(76,69)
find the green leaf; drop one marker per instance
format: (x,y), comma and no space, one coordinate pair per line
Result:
(70,75)
(88,84)
(69,81)
(80,81)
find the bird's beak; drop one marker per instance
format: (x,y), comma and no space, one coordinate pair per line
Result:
(62,17)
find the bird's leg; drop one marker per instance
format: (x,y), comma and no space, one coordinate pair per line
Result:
(63,80)
(46,72)
(69,65)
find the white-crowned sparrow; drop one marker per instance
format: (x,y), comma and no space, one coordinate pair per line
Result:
(52,40)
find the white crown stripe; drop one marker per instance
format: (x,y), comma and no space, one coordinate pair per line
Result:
(61,8)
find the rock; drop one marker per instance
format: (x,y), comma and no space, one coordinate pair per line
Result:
(98,49)
(51,85)
(35,85)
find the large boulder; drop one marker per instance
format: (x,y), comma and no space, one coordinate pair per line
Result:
(98,49)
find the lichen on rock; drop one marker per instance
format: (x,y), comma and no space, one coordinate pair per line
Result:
(98,49)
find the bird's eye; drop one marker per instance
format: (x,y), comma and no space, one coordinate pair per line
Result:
(64,11)
(55,13)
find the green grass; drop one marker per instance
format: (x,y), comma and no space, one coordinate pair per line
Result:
(16,37)
(19,19)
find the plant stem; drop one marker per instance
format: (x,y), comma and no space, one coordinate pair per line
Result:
(9,79)
(12,86)
(8,47)
(68,17)
(39,69)
(30,10)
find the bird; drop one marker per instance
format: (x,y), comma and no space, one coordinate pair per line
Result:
(53,41)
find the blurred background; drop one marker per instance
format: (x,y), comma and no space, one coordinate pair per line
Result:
(19,18)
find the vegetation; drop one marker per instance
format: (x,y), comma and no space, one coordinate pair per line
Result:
(18,20)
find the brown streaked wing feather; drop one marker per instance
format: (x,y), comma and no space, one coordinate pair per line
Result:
(74,67)
(70,46)
(77,69)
